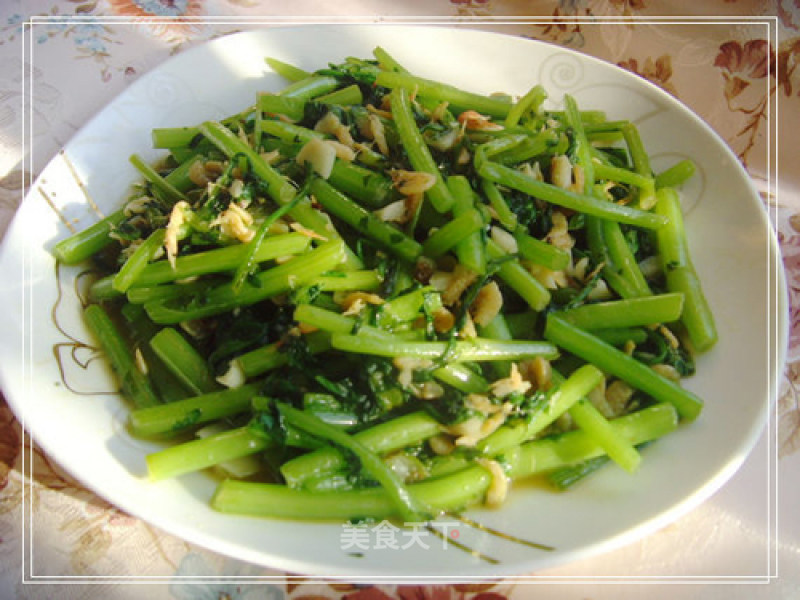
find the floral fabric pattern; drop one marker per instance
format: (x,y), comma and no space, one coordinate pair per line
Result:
(659,71)
(179,12)
(743,65)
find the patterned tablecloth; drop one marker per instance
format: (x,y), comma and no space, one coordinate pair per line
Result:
(737,73)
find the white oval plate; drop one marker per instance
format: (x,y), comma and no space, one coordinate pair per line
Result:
(734,250)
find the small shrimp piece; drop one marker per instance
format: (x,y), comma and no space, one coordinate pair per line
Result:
(561,171)
(176,219)
(498,489)
(487,304)
(475,121)
(376,131)
(411,182)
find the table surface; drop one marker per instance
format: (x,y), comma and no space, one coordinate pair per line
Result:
(745,540)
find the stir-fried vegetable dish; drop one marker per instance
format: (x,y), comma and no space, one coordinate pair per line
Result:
(372,295)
